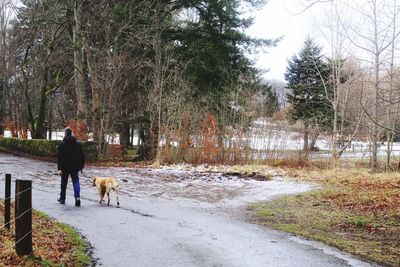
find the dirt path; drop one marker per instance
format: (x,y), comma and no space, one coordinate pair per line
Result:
(173,218)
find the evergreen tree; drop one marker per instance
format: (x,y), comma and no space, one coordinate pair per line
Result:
(308,82)
(212,40)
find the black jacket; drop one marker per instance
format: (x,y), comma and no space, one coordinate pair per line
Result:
(70,155)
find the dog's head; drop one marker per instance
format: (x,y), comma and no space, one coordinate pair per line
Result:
(94,181)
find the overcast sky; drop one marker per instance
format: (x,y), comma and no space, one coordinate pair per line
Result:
(282,18)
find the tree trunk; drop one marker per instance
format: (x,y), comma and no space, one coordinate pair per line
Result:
(50,124)
(132,134)
(306,133)
(374,158)
(375,134)
(155,128)
(140,139)
(39,131)
(25,86)
(3,72)
(96,102)
(334,158)
(154,144)
(391,122)
(314,137)
(143,144)
(124,135)
(79,78)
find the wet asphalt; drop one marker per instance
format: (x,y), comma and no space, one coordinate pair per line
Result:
(173,218)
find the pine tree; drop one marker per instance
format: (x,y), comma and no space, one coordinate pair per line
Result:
(213,43)
(308,83)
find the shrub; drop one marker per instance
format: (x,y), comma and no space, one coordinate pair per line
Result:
(44,148)
(91,151)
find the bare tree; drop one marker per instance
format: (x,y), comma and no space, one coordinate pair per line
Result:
(5,15)
(79,77)
(392,106)
(40,69)
(341,81)
(117,57)
(374,36)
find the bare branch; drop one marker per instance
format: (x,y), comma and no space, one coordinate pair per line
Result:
(310,3)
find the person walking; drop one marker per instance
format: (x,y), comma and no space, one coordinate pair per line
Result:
(71,160)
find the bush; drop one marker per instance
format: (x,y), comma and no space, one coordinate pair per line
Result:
(91,151)
(44,148)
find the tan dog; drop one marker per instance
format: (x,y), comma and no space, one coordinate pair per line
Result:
(104,185)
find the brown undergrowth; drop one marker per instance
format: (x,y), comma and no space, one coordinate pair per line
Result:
(54,244)
(355,210)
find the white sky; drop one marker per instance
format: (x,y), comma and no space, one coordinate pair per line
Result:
(283,18)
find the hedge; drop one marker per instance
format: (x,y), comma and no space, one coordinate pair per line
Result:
(44,148)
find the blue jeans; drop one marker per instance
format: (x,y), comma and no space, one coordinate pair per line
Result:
(75,183)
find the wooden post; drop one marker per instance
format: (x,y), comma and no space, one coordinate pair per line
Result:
(7,202)
(23,217)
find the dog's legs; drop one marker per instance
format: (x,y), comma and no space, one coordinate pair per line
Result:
(108,194)
(116,191)
(102,192)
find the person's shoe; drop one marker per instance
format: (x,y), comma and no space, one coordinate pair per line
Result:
(61,201)
(77,202)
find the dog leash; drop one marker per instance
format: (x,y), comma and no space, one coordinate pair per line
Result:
(84,176)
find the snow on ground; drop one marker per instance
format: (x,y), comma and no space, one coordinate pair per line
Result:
(264,136)
(59,135)
(192,187)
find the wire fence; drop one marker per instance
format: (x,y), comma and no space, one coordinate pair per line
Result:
(23,225)
(17,194)
(22,238)
(13,245)
(20,216)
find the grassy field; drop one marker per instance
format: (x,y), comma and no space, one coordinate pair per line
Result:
(356,211)
(54,244)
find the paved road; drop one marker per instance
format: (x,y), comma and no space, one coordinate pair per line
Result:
(167,227)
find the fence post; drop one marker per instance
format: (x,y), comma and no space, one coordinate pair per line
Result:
(23,217)
(7,202)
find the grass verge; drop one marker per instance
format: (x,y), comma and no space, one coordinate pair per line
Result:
(356,211)
(54,244)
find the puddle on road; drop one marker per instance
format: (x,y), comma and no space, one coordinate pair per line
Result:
(201,187)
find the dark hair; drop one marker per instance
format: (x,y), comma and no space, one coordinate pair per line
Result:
(68,131)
